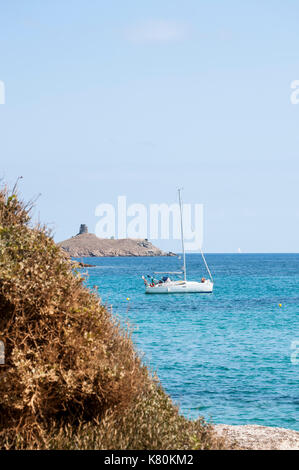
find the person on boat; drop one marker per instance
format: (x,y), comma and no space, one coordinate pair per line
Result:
(164,279)
(203,279)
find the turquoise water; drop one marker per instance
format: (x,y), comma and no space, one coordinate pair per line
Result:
(226,355)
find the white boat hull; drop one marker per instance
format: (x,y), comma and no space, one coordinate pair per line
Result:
(180,287)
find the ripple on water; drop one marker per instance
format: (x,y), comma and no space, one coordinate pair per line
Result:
(226,355)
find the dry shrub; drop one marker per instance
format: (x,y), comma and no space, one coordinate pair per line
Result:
(151,423)
(72,378)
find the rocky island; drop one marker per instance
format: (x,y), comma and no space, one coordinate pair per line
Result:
(86,244)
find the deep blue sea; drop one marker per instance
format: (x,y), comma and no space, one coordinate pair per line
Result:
(227,355)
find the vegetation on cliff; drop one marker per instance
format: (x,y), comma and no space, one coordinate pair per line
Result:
(72,378)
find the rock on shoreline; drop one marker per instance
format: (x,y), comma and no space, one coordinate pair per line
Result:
(254,437)
(88,244)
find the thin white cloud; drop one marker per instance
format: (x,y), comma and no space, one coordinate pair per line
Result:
(157,31)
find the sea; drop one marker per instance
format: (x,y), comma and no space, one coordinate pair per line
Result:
(231,356)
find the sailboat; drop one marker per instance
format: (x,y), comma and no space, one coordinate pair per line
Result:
(168,286)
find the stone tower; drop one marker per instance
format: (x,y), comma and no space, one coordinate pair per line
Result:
(83,229)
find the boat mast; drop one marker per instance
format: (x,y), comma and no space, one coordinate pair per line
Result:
(182,233)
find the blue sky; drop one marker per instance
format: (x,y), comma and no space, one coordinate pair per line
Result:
(137,98)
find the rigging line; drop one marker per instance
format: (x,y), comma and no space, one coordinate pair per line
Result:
(203,257)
